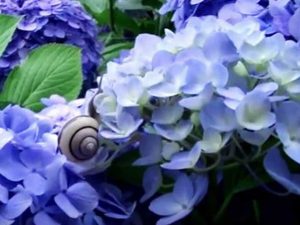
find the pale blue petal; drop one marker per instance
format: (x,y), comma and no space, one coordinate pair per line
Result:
(162,59)
(197,77)
(29,158)
(11,167)
(278,170)
(34,183)
(219,48)
(176,132)
(196,103)
(150,150)
(63,202)
(169,149)
(219,75)
(164,90)
(293,25)
(6,137)
(4,221)
(3,194)
(185,159)
(218,116)
(151,182)
(183,191)
(129,91)
(171,219)
(200,183)
(254,112)
(16,205)
(83,196)
(212,141)
(152,78)
(266,50)
(268,88)
(256,138)
(194,2)
(247,7)
(165,205)
(168,114)
(44,218)
(292,150)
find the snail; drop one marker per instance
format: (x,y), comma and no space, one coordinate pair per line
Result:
(78,139)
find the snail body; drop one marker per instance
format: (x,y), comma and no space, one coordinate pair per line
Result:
(78,140)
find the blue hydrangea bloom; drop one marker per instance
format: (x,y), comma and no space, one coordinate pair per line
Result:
(187,8)
(204,91)
(48,21)
(187,192)
(274,16)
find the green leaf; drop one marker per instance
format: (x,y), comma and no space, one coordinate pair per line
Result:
(8,25)
(96,6)
(113,51)
(155,4)
(121,20)
(131,5)
(50,69)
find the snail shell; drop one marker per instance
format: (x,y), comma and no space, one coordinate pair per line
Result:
(78,139)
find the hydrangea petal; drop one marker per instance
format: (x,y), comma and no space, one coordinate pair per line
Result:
(44,218)
(65,204)
(184,160)
(176,132)
(254,112)
(218,116)
(83,196)
(278,170)
(165,205)
(293,28)
(167,114)
(171,219)
(196,103)
(16,205)
(183,190)
(35,184)
(151,182)
(6,137)
(10,166)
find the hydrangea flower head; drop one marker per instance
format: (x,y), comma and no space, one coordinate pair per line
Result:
(209,88)
(48,21)
(38,184)
(273,16)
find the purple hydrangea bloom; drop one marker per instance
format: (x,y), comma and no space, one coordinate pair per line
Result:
(21,127)
(37,183)
(48,21)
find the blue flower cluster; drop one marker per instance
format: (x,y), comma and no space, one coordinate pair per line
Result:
(198,95)
(273,15)
(38,185)
(49,21)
